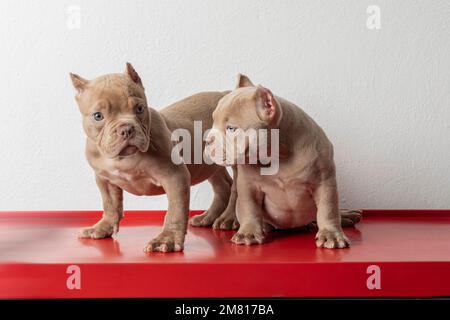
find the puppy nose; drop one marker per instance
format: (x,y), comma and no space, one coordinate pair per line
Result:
(209,139)
(125,131)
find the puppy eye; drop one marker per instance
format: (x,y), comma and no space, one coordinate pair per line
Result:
(98,116)
(140,109)
(231,128)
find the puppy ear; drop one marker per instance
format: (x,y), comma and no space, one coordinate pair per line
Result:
(267,106)
(133,74)
(243,81)
(78,82)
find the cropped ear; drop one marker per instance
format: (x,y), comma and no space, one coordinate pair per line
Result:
(78,82)
(243,81)
(267,106)
(133,74)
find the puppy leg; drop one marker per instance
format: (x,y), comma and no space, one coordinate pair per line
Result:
(221,183)
(348,218)
(330,234)
(177,187)
(249,214)
(228,219)
(112,197)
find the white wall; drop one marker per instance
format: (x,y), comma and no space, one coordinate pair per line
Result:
(382,95)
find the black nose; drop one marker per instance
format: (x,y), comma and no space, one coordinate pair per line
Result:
(125,131)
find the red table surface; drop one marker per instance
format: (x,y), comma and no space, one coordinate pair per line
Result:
(411,248)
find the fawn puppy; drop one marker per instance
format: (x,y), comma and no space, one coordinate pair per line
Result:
(302,190)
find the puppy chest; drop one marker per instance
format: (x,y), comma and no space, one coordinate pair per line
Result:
(288,194)
(288,205)
(134,182)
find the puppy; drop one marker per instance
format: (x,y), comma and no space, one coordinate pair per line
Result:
(301,191)
(129,147)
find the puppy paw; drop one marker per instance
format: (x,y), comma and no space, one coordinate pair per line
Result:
(102,229)
(350,217)
(226,222)
(167,241)
(249,236)
(205,219)
(332,239)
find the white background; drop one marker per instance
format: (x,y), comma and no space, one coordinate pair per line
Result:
(382,96)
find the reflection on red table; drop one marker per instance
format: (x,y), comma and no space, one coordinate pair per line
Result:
(411,249)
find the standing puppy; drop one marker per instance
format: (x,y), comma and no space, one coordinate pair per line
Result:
(129,147)
(301,191)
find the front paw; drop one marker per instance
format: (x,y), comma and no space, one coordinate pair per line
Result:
(349,218)
(332,239)
(202,220)
(102,229)
(249,236)
(167,241)
(226,222)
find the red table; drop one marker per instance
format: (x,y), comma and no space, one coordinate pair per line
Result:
(394,254)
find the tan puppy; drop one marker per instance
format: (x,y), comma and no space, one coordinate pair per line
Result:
(302,190)
(129,147)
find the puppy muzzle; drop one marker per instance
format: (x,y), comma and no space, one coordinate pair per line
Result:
(125,140)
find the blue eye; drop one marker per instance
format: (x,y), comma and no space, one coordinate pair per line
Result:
(140,109)
(98,116)
(231,128)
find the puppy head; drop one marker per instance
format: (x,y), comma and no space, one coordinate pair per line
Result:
(238,120)
(115,112)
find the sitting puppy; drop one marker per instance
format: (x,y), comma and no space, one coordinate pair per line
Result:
(303,189)
(129,147)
